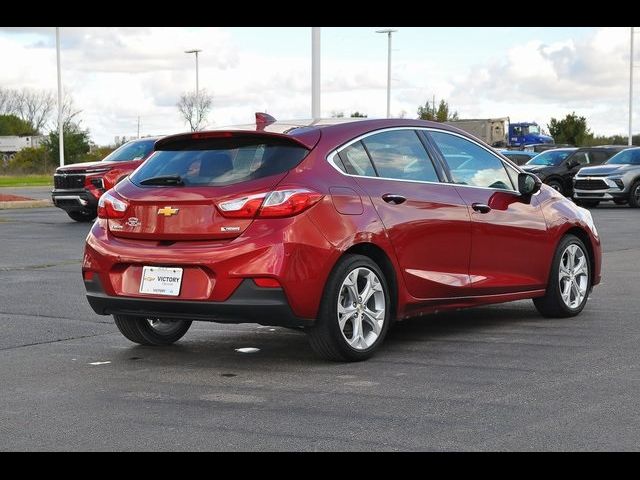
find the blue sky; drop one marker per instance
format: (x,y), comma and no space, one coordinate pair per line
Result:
(530,73)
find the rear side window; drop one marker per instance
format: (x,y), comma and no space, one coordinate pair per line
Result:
(399,154)
(356,161)
(222,161)
(598,158)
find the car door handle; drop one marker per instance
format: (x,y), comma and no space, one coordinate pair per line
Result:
(392,198)
(481,207)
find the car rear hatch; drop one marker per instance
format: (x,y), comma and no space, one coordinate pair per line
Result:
(175,195)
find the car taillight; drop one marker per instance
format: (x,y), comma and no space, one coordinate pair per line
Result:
(285,202)
(111,207)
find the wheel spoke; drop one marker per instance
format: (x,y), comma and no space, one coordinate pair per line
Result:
(566,291)
(351,283)
(373,318)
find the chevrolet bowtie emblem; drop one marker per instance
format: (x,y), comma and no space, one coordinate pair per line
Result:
(168,211)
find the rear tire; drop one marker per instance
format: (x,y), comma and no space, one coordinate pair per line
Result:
(634,195)
(567,290)
(82,217)
(153,332)
(358,288)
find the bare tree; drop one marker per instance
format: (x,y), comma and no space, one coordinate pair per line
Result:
(8,101)
(194,108)
(35,107)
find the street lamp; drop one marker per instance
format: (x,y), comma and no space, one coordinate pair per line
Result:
(196,51)
(60,124)
(388,32)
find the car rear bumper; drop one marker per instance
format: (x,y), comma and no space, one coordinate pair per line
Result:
(248,304)
(74,200)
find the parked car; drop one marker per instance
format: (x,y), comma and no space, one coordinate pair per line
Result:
(519,157)
(557,167)
(618,180)
(340,228)
(77,187)
(543,147)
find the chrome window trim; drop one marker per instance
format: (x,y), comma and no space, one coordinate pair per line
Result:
(332,155)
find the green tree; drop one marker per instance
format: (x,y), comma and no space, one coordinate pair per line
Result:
(13,125)
(31,160)
(571,129)
(357,114)
(440,114)
(76,143)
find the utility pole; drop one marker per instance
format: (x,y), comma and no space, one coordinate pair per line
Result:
(60,125)
(138,126)
(388,32)
(315,72)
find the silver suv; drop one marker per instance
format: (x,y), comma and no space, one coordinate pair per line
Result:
(617,180)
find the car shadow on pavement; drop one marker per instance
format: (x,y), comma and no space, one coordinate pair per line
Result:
(231,346)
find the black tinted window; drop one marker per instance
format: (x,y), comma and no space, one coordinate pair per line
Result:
(598,158)
(356,161)
(222,161)
(399,154)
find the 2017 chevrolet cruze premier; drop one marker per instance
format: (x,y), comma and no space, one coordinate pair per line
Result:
(340,228)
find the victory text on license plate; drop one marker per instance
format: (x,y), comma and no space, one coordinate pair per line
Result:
(161,281)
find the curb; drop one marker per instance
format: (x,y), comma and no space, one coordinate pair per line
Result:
(26,204)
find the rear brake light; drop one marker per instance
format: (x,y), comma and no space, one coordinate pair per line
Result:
(277,204)
(111,207)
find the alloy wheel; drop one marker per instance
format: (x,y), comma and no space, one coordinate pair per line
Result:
(573,276)
(361,308)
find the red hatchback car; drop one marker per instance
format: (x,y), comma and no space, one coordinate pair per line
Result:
(341,228)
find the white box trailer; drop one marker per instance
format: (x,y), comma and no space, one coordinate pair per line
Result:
(492,131)
(12,144)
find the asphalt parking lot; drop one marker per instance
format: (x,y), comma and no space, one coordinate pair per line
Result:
(492,378)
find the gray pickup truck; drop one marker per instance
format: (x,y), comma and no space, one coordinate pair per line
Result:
(617,180)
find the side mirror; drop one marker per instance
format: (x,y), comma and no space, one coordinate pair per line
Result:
(528,184)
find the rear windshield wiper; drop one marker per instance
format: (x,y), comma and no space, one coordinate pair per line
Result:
(163,180)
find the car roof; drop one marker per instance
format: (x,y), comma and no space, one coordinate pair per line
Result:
(308,132)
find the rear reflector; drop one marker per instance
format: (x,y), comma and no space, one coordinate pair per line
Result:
(267,282)
(87,275)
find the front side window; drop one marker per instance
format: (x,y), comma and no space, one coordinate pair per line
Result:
(581,157)
(400,155)
(550,158)
(481,169)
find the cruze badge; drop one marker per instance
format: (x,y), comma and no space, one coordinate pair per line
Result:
(229,229)
(168,211)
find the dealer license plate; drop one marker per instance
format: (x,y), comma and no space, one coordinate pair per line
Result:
(161,281)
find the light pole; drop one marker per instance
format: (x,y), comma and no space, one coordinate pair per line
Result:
(631,88)
(315,72)
(196,51)
(388,32)
(60,126)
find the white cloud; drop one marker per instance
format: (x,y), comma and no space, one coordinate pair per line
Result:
(116,74)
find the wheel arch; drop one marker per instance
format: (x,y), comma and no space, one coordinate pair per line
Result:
(380,257)
(584,237)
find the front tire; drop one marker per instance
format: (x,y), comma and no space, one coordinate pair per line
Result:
(82,216)
(634,195)
(557,186)
(355,311)
(569,280)
(151,331)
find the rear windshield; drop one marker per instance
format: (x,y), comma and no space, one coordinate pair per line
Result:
(221,161)
(131,151)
